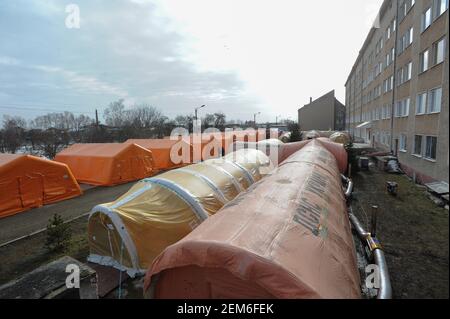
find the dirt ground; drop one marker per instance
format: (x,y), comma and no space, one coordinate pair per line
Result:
(413,231)
(27,254)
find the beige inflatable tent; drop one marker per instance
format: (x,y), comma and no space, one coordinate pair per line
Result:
(287,237)
(157,212)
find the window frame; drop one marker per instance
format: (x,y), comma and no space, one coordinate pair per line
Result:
(403,143)
(430,91)
(425,102)
(422,61)
(414,150)
(423,25)
(425,156)
(436,51)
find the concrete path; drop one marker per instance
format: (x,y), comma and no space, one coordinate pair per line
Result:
(23,224)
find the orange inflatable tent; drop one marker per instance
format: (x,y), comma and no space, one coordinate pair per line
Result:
(289,236)
(216,144)
(107,164)
(161,150)
(27,182)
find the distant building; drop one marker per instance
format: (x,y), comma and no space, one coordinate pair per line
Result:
(325,113)
(397,92)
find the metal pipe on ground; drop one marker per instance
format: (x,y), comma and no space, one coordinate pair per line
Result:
(385,290)
(349,190)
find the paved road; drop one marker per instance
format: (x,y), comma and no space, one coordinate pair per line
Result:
(25,223)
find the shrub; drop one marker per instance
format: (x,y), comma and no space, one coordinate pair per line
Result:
(58,234)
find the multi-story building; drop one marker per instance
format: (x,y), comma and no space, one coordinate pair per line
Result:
(323,114)
(397,92)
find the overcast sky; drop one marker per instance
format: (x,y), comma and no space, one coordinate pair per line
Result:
(236,56)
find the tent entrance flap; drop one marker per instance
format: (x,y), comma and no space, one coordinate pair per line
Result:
(31,191)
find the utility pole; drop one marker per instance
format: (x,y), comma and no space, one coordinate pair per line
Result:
(96,118)
(254,118)
(196,111)
(276,119)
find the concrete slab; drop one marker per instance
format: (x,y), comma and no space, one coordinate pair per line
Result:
(440,188)
(49,282)
(107,278)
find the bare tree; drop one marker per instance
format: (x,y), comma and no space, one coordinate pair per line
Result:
(144,116)
(184,121)
(51,141)
(13,133)
(208,121)
(115,115)
(220,120)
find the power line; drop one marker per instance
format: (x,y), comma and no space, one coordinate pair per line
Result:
(11,107)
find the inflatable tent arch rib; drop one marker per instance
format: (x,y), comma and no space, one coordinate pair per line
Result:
(107,164)
(28,181)
(296,243)
(157,212)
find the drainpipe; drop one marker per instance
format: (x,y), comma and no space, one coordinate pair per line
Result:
(394,84)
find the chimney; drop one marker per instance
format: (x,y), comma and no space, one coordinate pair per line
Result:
(310,100)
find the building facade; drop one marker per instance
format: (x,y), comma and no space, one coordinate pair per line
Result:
(397,92)
(325,113)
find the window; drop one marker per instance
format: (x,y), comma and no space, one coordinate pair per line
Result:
(430,147)
(439,51)
(386,112)
(402,108)
(424,61)
(406,40)
(400,76)
(410,34)
(402,11)
(398,107)
(418,145)
(388,33)
(426,19)
(406,104)
(440,6)
(379,46)
(403,145)
(435,100)
(408,72)
(421,103)
(388,84)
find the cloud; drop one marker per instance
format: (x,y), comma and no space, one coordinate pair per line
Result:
(8,61)
(75,81)
(122,50)
(235,56)
(83,83)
